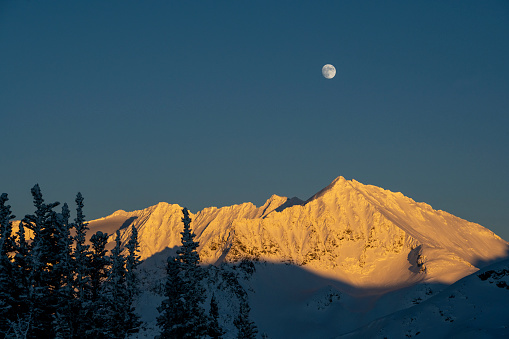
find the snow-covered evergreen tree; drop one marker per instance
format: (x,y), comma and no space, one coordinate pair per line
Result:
(115,294)
(182,314)
(81,256)
(99,262)
(7,286)
(171,308)
(187,253)
(214,329)
(93,322)
(52,289)
(43,259)
(22,311)
(132,282)
(64,317)
(81,250)
(118,310)
(132,263)
(246,328)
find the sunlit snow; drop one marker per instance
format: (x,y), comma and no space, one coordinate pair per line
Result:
(326,266)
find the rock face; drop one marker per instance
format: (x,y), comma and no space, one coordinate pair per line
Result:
(360,234)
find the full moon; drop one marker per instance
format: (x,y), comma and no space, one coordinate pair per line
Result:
(328,71)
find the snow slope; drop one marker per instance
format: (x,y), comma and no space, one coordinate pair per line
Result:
(359,234)
(473,307)
(353,258)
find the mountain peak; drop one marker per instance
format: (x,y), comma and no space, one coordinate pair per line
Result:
(358,233)
(272,204)
(337,185)
(338,182)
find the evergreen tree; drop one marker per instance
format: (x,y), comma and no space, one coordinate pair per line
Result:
(93,322)
(182,315)
(43,259)
(82,265)
(246,328)
(81,251)
(7,286)
(118,300)
(115,294)
(132,263)
(214,329)
(187,253)
(99,262)
(50,290)
(64,317)
(22,312)
(172,307)
(132,281)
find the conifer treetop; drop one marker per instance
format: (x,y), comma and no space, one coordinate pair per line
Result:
(188,252)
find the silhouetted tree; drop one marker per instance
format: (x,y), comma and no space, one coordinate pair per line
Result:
(132,282)
(54,286)
(114,295)
(21,277)
(118,294)
(98,272)
(182,314)
(171,308)
(64,317)
(246,328)
(7,283)
(82,270)
(43,257)
(214,329)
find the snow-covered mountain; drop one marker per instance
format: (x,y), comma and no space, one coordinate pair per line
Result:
(360,234)
(473,307)
(349,255)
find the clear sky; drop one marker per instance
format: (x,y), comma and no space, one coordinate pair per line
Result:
(213,103)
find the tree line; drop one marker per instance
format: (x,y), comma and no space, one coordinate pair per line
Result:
(182,312)
(55,285)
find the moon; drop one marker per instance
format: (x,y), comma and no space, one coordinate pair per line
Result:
(328,71)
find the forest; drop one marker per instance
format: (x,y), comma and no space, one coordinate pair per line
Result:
(55,282)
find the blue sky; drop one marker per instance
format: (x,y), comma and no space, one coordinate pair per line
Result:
(219,103)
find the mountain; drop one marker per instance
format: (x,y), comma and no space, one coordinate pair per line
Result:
(352,260)
(362,235)
(473,307)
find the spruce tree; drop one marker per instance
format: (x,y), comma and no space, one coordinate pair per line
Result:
(64,317)
(81,250)
(192,273)
(132,263)
(99,262)
(214,329)
(182,314)
(246,328)
(22,312)
(115,294)
(187,253)
(93,322)
(82,265)
(7,286)
(171,308)
(43,259)
(132,282)
(119,310)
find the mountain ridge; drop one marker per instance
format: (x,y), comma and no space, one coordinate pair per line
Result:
(361,234)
